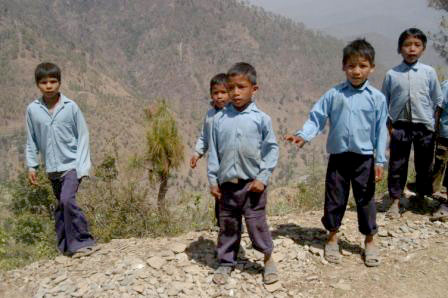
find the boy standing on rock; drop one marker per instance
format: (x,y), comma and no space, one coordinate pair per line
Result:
(357,113)
(413,94)
(55,127)
(243,153)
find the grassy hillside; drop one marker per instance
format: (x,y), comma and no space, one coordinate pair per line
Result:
(117,56)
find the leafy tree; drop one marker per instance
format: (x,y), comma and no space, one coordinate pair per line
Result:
(165,150)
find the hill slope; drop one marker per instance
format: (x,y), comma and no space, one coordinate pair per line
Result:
(117,56)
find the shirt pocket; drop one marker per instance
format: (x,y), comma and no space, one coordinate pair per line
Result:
(249,144)
(65,132)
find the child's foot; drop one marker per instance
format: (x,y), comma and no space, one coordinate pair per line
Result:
(222,274)
(441,214)
(394,210)
(371,255)
(332,253)
(270,274)
(85,251)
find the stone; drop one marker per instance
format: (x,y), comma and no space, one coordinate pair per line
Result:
(346,253)
(178,248)
(156,262)
(383,233)
(316,251)
(342,286)
(273,287)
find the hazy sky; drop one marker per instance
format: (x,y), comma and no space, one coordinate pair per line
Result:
(380,21)
(387,17)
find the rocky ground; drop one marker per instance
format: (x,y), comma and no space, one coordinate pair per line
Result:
(414,254)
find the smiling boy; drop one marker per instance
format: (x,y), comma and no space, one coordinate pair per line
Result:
(243,153)
(357,113)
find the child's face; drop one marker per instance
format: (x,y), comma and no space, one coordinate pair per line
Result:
(220,95)
(49,87)
(241,91)
(357,69)
(412,49)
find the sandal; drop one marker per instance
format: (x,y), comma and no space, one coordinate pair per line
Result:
(441,214)
(222,274)
(270,274)
(371,256)
(85,251)
(394,211)
(332,254)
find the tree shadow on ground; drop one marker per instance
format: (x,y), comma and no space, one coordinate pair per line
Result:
(203,251)
(311,236)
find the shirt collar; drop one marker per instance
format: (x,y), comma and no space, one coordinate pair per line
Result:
(251,107)
(62,99)
(365,86)
(414,66)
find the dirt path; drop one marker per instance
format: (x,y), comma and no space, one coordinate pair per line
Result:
(414,264)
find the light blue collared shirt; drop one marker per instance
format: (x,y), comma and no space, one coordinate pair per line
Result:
(61,137)
(242,145)
(417,85)
(357,120)
(443,131)
(202,142)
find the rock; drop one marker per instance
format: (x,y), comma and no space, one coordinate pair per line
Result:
(156,262)
(279,257)
(342,286)
(139,289)
(404,229)
(178,247)
(273,287)
(316,251)
(383,233)
(61,260)
(346,252)
(60,279)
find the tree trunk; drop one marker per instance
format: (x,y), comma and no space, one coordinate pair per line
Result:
(163,188)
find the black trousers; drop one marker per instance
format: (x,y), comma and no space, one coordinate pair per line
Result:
(359,171)
(404,135)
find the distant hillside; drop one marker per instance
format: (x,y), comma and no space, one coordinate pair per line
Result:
(117,56)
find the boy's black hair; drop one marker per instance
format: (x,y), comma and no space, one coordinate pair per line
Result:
(411,32)
(359,47)
(245,69)
(219,79)
(47,70)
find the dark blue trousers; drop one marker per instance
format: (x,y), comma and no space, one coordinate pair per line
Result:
(404,135)
(237,201)
(71,224)
(359,171)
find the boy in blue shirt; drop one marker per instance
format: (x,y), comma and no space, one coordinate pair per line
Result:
(413,94)
(440,174)
(55,128)
(243,153)
(220,98)
(356,142)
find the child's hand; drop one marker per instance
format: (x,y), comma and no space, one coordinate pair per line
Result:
(215,191)
(390,129)
(299,141)
(256,186)
(379,170)
(193,161)
(32,178)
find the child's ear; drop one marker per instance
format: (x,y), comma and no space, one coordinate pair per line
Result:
(254,89)
(372,69)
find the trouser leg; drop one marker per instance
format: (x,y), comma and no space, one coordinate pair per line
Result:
(400,149)
(423,140)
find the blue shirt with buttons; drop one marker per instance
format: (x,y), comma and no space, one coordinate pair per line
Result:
(242,146)
(357,119)
(413,89)
(443,131)
(61,137)
(202,142)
